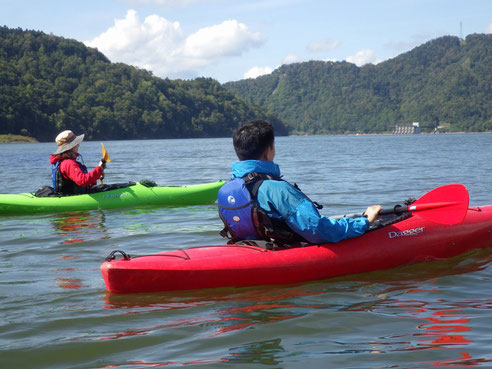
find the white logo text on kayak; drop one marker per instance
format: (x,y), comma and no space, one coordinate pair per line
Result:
(407,232)
(115,195)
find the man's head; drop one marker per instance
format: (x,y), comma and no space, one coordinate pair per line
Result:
(252,140)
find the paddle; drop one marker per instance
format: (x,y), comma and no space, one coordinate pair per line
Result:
(444,205)
(104,159)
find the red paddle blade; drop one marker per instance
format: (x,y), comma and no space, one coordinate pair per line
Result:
(445,205)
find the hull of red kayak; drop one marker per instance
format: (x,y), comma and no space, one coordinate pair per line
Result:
(410,241)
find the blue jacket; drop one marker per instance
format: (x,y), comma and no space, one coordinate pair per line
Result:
(282,200)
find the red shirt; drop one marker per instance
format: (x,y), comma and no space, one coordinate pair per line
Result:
(70,169)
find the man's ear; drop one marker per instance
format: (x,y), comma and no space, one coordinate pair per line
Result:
(269,153)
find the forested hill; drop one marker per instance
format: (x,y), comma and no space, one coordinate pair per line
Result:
(49,84)
(445,82)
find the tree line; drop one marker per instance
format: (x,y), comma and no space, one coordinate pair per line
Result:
(49,84)
(446,82)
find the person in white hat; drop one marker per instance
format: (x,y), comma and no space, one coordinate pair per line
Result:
(69,176)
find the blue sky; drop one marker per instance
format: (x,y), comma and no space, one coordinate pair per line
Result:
(234,39)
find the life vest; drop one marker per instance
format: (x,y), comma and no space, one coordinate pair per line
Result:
(244,219)
(64,185)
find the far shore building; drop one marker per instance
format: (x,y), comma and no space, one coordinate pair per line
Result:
(406,129)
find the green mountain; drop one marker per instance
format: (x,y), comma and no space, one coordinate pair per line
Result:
(445,82)
(49,84)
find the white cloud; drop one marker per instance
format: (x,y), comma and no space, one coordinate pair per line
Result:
(291,58)
(363,57)
(322,46)
(489,28)
(229,38)
(162,47)
(257,71)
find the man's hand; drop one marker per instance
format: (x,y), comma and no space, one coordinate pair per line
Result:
(102,164)
(372,212)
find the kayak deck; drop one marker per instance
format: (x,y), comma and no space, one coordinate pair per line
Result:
(131,196)
(406,242)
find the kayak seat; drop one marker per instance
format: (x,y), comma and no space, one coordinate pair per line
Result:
(148,183)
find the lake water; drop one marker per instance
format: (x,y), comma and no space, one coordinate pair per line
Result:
(55,312)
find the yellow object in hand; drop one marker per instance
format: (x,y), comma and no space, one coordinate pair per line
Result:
(105,153)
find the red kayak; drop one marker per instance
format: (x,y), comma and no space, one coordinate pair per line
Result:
(438,225)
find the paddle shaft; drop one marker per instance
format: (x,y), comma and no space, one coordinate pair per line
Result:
(104,160)
(399,209)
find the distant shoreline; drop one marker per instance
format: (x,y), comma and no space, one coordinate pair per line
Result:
(9,138)
(390,134)
(15,139)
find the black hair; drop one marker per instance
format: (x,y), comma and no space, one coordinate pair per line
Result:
(252,139)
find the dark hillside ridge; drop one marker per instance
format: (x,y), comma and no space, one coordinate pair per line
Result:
(49,84)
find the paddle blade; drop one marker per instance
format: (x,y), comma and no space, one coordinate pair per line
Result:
(444,205)
(105,153)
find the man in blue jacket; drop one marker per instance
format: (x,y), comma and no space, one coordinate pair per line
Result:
(282,202)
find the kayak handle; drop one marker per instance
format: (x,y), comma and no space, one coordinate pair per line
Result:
(112,255)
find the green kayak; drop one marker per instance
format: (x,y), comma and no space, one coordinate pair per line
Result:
(131,196)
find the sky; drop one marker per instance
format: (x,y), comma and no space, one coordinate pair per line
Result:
(230,40)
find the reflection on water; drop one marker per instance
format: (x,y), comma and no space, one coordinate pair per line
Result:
(462,361)
(158,364)
(244,309)
(445,327)
(262,352)
(442,326)
(71,283)
(78,227)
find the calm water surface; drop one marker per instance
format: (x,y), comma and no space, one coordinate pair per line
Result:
(55,312)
